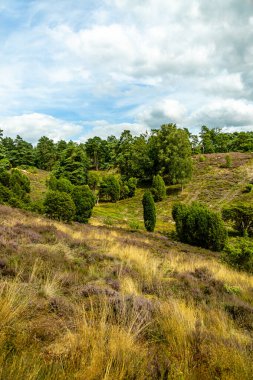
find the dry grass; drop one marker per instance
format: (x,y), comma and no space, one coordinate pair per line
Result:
(79,302)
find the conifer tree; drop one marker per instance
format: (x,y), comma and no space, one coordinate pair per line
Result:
(149,211)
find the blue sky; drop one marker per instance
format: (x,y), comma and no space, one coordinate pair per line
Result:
(76,69)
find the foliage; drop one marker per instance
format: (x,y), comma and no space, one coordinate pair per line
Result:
(170,152)
(241,215)
(248,188)
(239,253)
(20,185)
(61,184)
(45,154)
(5,164)
(197,225)
(73,165)
(158,188)
(109,189)
(93,180)
(60,206)
(149,211)
(84,202)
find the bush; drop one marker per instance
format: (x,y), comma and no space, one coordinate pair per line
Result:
(5,194)
(84,202)
(239,254)
(199,226)
(5,178)
(158,188)
(110,189)
(59,206)
(61,184)
(5,164)
(20,185)
(149,211)
(132,184)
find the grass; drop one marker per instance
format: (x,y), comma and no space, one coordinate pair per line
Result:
(86,302)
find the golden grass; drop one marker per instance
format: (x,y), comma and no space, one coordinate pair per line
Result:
(106,337)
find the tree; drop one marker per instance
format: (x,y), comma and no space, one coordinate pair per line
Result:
(110,189)
(60,206)
(84,201)
(45,154)
(170,152)
(242,216)
(197,225)
(158,188)
(149,211)
(73,165)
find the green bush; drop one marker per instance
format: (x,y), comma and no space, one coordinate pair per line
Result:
(132,184)
(158,188)
(5,194)
(5,178)
(59,206)
(197,225)
(149,211)
(61,184)
(110,189)
(20,185)
(239,254)
(84,202)
(5,164)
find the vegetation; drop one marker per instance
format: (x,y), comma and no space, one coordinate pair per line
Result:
(158,188)
(84,202)
(197,225)
(59,205)
(242,216)
(80,302)
(149,211)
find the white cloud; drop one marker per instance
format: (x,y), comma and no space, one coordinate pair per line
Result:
(225,113)
(32,126)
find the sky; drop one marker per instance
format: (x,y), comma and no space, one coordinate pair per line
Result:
(74,69)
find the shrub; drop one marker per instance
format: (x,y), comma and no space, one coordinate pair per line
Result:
(110,189)
(19,184)
(132,184)
(84,202)
(5,194)
(60,206)
(239,254)
(5,164)
(5,178)
(199,226)
(63,184)
(93,180)
(158,188)
(149,211)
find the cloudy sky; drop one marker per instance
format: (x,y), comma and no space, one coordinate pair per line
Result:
(74,69)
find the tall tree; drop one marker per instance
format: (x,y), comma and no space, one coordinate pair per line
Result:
(170,152)
(45,153)
(73,165)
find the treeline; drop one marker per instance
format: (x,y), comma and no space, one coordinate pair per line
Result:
(213,140)
(165,151)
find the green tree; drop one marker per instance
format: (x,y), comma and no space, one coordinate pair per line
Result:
(158,188)
(45,154)
(197,225)
(84,201)
(149,211)
(20,185)
(242,216)
(109,189)
(60,206)
(73,165)
(170,151)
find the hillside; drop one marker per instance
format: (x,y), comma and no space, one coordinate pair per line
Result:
(211,184)
(86,302)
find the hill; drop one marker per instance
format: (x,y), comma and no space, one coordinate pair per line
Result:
(86,302)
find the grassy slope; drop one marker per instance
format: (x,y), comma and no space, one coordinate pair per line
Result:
(211,184)
(85,302)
